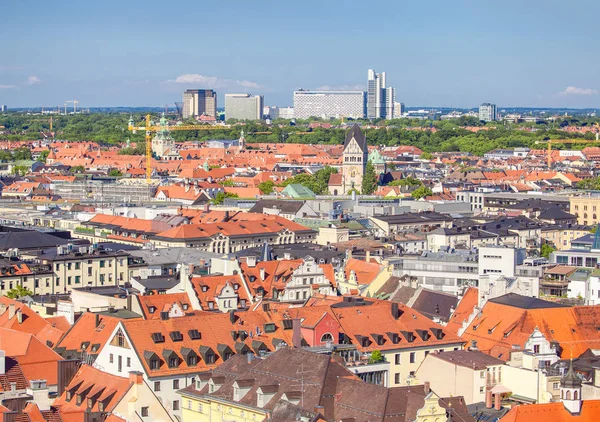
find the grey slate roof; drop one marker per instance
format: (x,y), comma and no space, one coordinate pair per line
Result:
(525,302)
(286,207)
(357,134)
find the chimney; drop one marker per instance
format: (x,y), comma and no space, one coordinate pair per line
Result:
(296,333)
(251,261)
(38,389)
(226,219)
(427,387)
(488,399)
(2,362)
(473,346)
(136,377)
(129,302)
(97,318)
(368,256)
(11,310)
(232,316)
(497,403)
(20,316)
(250,357)
(262,274)
(395,311)
(207,207)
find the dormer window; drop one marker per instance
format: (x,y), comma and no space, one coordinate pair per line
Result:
(204,289)
(154,364)
(101,406)
(152,309)
(173,362)
(90,403)
(185,306)
(79,399)
(69,395)
(192,360)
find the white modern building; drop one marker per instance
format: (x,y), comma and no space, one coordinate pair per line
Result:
(380,98)
(488,112)
(329,104)
(243,107)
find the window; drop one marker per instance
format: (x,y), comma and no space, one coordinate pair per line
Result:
(481,390)
(89,271)
(199,407)
(192,360)
(173,362)
(189,404)
(145,412)
(397,379)
(154,364)
(111,358)
(536,349)
(327,337)
(77,279)
(129,362)
(102,278)
(397,359)
(482,374)
(156,385)
(175,404)
(102,263)
(175,384)
(412,357)
(78,265)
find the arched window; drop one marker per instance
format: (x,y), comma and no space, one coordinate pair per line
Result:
(568,396)
(575,395)
(327,337)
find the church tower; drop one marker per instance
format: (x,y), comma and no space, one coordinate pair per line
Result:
(162,141)
(570,391)
(355,157)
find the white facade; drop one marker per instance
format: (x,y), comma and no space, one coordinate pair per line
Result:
(499,260)
(488,112)
(329,104)
(243,107)
(120,360)
(307,275)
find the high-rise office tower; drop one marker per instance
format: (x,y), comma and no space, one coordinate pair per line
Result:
(488,112)
(197,102)
(243,107)
(380,98)
(399,110)
(3,108)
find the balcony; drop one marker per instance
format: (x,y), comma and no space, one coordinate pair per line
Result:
(368,369)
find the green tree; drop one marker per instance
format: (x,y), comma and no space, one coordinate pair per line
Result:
(227,182)
(421,192)
(546,250)
(266,187)
(19,170)
(408,181)
(220,197)
(353,190)
(22,153)
(426,156)
(115,173)
(77,169)
(43,156)
(17,292)
(376,357)
(369,181)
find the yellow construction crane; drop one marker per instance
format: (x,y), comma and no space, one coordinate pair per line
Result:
(563,141)
(151,128)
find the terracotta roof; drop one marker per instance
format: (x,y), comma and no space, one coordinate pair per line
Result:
(31,322)
(153,305)
(501,326)
(208,288)
(37,361)
(215,337)
(553,412)
(91,381)
(376,319)
(463,310)
(85,333)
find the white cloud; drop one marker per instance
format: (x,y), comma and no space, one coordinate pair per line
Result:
(33,80)
(212,81)
(573,90)
(342,88)
(8,86)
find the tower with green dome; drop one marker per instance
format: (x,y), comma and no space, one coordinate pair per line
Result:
(162,142)
(378,161)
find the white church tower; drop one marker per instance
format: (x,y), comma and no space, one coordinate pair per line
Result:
(570,391)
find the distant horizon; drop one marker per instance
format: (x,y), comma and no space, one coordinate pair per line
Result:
(537,52)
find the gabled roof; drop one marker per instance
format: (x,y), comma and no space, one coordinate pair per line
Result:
(358,135)
(553,412)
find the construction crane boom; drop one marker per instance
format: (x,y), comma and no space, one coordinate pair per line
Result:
(150,128)
(550,142)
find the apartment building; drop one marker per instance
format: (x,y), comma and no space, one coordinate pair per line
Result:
(198,102)
(586,208)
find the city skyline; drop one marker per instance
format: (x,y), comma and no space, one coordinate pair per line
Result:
(457,55)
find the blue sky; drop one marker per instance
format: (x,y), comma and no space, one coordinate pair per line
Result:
(436,53)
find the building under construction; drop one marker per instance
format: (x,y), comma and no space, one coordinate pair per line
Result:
(106,192)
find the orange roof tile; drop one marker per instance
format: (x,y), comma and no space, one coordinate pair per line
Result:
(553,412)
